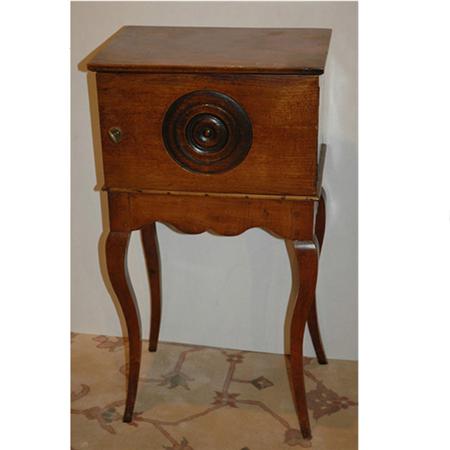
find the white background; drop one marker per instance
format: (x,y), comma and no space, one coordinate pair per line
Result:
(227,292)
(404,219)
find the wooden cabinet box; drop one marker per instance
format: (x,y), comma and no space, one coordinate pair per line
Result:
(213,129)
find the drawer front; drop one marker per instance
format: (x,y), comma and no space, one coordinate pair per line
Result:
(209,133)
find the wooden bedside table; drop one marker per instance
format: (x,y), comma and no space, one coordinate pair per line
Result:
(213,129)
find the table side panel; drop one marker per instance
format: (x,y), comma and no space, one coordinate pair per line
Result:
(288,219)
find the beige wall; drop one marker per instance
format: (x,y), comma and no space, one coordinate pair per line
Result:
(239,287)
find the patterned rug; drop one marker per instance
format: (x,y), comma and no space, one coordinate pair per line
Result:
(201,398)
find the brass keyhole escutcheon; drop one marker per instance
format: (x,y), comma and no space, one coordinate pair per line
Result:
(115,134)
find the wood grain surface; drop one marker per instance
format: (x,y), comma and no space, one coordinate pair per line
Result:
(202,49)
(227,216)
(307,254)
(270,78)
(283,111)
(116,250)
(150,245)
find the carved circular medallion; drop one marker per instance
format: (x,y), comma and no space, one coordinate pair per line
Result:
(207,132)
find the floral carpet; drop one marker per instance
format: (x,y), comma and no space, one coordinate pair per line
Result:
(202,398)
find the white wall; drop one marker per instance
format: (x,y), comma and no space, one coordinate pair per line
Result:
(238,286)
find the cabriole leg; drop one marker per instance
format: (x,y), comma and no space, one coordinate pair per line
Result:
(307,254)
(116,255)
(152,260)
(313,322)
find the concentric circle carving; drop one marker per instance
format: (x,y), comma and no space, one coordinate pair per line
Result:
(207,132)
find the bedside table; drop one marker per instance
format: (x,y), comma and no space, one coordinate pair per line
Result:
(213,129)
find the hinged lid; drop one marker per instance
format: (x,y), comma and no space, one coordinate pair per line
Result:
(300,51)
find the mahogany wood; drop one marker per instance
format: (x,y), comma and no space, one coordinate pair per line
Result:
(216,194)
(207,132)
(307,253)
(152,260)
(227,216)
(214,50)
(283,111)
(116,253)
(274,181)
(313,321)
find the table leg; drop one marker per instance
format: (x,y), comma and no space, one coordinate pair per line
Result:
(152,260)
(313,322)
(307,254)
(116,253)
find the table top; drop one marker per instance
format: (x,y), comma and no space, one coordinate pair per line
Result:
(301,51)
